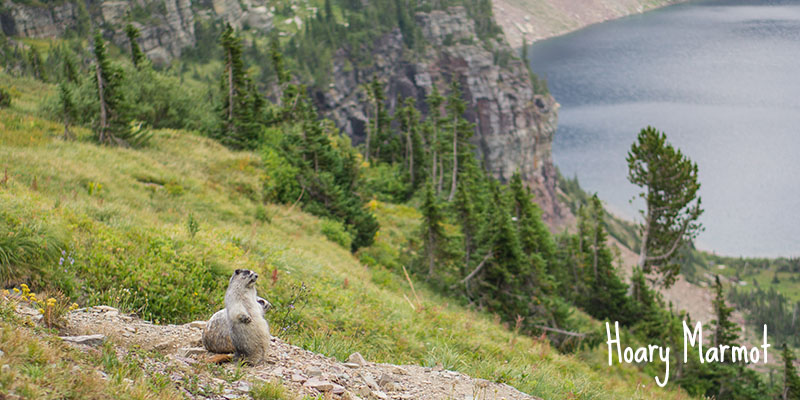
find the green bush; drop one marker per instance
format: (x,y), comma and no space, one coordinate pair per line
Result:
(5,98)
(336,232)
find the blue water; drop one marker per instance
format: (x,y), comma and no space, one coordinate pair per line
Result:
(722,79)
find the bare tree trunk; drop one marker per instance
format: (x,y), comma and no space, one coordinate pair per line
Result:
(643,250)
(411,157)
(455,160)
(103,111)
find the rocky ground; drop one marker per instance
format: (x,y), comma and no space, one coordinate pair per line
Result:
(176,352)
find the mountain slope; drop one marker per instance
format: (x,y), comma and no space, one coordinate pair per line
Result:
(123,215)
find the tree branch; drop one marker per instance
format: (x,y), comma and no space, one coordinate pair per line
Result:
(475,271)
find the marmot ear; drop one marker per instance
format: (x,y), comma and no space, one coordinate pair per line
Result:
(237,272)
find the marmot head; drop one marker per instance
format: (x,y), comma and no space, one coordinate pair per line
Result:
(244,277)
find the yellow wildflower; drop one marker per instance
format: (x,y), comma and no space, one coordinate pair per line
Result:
(41,311)
(6,292)
(16,290)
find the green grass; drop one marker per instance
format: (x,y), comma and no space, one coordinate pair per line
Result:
(133,250)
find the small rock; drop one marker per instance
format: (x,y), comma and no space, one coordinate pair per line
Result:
(102,375)
(242,386)
(357,358)
(319,384)
(298,378)
(384,379)
(2,353)
(337,389)
(104,309)
(364,391)
(86,340)
(191,351)
(125,318)
(351,365)
(198,324)
(370,381)
(163,345)
(277,371)
(399,371)
(392,387)
(313,372)
(380,395)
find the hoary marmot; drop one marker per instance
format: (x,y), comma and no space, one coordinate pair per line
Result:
(249,330)
(217,332)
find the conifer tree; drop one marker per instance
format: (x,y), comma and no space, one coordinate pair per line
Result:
(241,101)
(435,101)
(137,56)
(534,236)
(409,124)
(432,229)
(455,110)
(112,125)
(725,330)
(67,108)
(791,381)
(672,204)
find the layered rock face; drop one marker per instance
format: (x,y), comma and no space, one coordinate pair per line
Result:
(167,30)
(514,126)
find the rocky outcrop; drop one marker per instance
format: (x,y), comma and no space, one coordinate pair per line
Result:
(166,26)
(514,126)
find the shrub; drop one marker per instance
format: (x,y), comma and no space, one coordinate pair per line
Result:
(336,232)
(5,98)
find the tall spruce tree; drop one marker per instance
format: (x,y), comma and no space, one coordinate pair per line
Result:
(791,382)
(670,184)
(239,127)
(137,56)
(67,108)
(455,111)
(433,233)
(409,118)
(725,330)
(435,101)
(112,124)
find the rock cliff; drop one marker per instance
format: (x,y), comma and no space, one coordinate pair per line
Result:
(167,27)
(514,126)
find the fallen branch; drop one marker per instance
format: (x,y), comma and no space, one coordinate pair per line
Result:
(474,272)
(563,332)
(419,303)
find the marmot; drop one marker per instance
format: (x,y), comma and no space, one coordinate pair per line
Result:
(249,330)
(217,332)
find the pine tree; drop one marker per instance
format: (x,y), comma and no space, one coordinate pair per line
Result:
(791,381)
(673,207)
(112,126)
(241,104)
(455,110)
(534,236)
(432,229)
(137,56)
(409,124)
(725,330)
(67,107)
(435,101)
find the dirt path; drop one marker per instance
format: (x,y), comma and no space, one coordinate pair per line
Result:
(304,372)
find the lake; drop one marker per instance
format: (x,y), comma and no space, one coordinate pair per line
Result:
(722,80)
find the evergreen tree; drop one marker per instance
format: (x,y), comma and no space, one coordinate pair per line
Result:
(460,127)
(791,382)
(725,330)
(409,118)
(673,207)
(239,128)
(112,126)
(432,229)
(534,237)
(435,101)
(137,56)
(67,107)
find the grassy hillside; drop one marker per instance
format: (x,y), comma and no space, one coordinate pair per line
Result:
(124,217)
